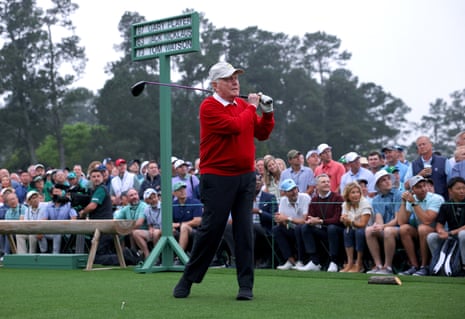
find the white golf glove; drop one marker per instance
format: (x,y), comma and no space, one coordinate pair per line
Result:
(266,103)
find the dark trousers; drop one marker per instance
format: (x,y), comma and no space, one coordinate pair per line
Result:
(332,233)
(289,241)
(222,196)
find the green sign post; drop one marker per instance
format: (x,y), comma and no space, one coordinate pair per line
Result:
(160,39)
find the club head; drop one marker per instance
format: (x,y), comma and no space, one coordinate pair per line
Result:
(138,88)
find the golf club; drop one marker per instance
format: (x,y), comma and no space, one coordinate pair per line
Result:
(139,87)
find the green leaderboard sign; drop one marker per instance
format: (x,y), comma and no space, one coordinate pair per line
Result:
(169,36)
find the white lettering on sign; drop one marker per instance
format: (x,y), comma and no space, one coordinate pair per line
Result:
(161,37)
(164,48)
(163,25)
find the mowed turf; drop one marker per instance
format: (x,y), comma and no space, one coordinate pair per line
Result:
(122,293)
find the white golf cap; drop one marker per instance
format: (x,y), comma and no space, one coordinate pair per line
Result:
(322,147)
(379,174)
(351,156)
(148,192)
(222,70)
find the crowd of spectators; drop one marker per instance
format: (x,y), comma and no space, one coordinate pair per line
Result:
(311,212)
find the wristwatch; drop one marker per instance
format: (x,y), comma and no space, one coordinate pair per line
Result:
(414,204)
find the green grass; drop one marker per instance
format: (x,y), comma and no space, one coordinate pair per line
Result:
(99,294)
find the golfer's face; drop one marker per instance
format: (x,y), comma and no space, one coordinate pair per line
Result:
(228,88)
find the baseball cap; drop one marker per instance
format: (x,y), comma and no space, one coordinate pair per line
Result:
(389,147)
(392,169)
(322,147)
(310,153)
(363,160)
(414,180)
(37,178)
(143,165)
(106,161)
(39,166)
(179,163)
(71,175)
(178,185)
(287,185)
(30,194)
(120,161)
(379,174)
(223,70)
(7,190)
(292,154)
(148,192)
(351,156)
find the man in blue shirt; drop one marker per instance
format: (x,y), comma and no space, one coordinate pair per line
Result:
(187,214)
(417,218)
(385,205)
(302,175)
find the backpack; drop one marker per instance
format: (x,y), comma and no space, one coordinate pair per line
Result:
(446,259)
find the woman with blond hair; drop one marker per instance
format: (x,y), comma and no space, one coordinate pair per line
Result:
(271,177)
(356,212)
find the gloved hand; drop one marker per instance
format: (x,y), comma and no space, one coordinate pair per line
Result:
(266,103)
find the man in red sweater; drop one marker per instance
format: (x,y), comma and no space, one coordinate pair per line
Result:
(228,126)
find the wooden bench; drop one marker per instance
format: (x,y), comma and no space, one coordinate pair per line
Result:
(95,227)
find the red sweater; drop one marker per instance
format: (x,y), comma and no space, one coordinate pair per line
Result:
(227,136)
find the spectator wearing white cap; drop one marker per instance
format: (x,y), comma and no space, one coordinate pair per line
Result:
(39,170)
(182,175)
(330,167)
(385,205)
(187,214)
(313,160)
(357,172)
(291,216)
(28,243)
(303,176)
(417,218)
(153,218)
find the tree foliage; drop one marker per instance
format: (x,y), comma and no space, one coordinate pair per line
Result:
(33,82)
(317,99)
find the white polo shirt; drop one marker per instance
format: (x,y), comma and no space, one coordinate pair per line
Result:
(296,210)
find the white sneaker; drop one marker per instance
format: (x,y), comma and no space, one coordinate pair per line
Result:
(374,270)
(310,267)
(287,266)
(385,271)
(332,267)
(298,265)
